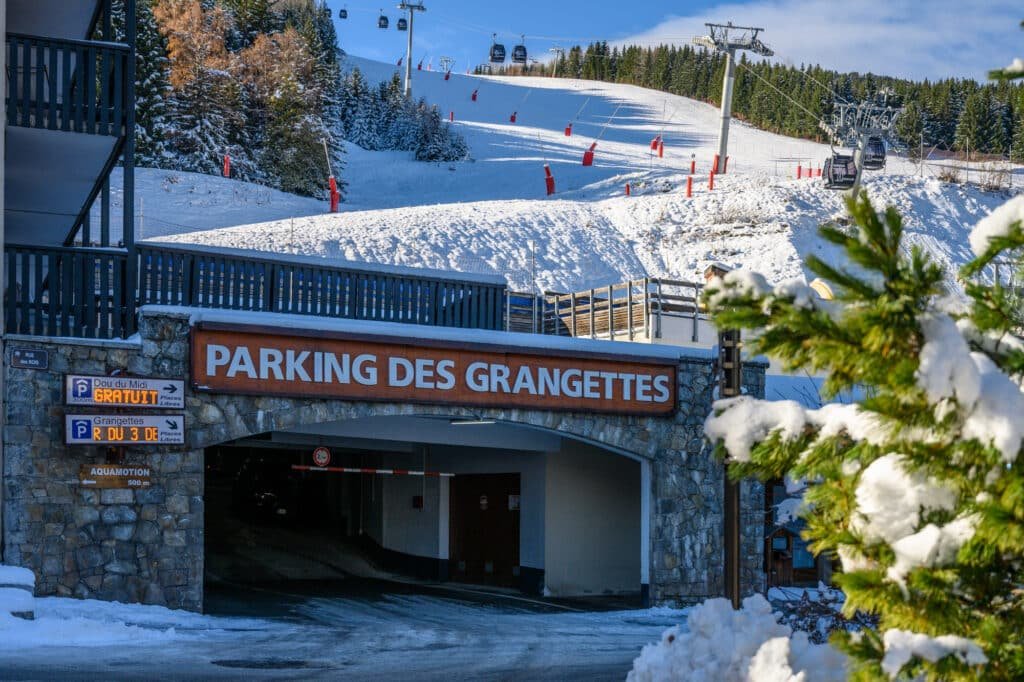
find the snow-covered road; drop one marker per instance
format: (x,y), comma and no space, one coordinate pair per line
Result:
(353,631)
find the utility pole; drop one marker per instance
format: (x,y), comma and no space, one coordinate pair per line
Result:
(720,40)
(412,8)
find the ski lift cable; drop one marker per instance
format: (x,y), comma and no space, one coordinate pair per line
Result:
(609,122)
(577,116)
(810,113)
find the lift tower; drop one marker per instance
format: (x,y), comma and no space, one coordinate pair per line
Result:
(727,38)
(412,8)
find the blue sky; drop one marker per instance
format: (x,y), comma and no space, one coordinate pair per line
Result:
(929,39)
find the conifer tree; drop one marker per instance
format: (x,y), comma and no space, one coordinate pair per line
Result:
(918,489)
(152,85)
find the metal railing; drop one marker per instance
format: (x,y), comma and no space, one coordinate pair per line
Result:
(70,85)
(628,310)
(65,291)
(171,275)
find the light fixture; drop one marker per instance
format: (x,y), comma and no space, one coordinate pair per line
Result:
(470,421)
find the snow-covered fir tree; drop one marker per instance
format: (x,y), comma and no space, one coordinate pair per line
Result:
(918,489)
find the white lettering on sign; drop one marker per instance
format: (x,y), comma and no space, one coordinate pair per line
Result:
(425,373)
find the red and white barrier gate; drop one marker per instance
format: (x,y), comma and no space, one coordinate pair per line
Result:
(360,470)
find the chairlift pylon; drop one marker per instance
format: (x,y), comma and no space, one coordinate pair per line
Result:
(497,50)
(519,52)
(382,20)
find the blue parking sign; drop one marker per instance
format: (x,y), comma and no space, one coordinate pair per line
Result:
(81,429)
(81,387)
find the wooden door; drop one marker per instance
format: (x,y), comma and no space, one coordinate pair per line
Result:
(484,529)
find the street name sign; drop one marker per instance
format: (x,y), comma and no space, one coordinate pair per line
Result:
(124,429)
(30,358)
(84,390)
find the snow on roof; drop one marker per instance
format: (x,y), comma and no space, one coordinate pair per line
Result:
(361,266)
(454,334)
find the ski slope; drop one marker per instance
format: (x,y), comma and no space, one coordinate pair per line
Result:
(490,214)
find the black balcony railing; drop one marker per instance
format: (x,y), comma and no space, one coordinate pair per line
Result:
(70,85)
(86,292)
(186,276)
(65,291)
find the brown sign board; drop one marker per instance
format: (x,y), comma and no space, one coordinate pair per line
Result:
(114,476)
(297,363)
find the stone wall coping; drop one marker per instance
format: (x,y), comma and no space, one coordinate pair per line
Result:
(133,342)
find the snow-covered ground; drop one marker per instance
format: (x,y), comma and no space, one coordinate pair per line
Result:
(450,636)
(490,214)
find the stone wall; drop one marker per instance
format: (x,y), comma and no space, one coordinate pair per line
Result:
(127,545)
(147,545)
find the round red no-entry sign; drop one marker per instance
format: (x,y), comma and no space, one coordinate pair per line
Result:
(321,457)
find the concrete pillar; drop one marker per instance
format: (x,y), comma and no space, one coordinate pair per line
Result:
(645,531)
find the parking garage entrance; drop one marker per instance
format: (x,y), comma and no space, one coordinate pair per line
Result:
(426,497)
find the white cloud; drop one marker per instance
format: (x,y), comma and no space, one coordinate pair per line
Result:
(935,39)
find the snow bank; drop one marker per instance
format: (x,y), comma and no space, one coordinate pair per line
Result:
(902,645)
(719,643)
(17,586)
(64,622)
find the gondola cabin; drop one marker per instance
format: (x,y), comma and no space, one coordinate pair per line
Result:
(519,54)
(839,172)
(403,24)
(382,22)
(874,154)
(343,14)
(498,53)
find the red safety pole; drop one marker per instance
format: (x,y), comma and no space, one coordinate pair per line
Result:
(711,180)
(451,116)
(568,130)
(627,189)
(588,156)
(693,167)
(335,195)
(549,180)
(689,186)
(227,166)
(725,168)
(661,149)
(512,118)
(714,164)
(654,143)
(799,171)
